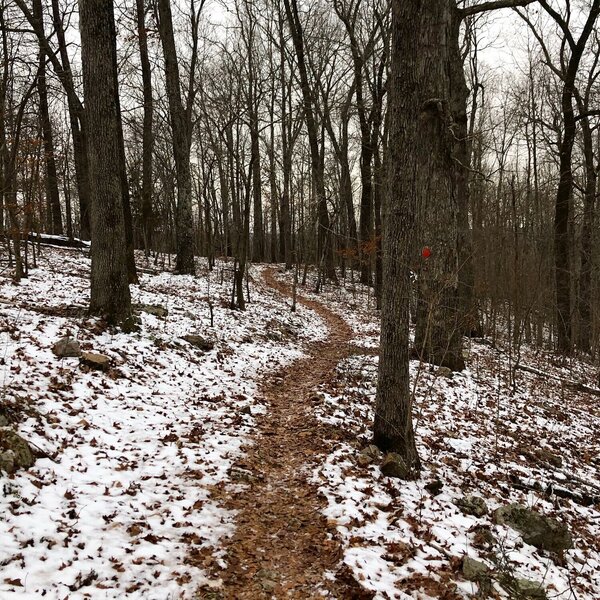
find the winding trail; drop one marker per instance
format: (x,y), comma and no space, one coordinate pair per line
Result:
(283,546)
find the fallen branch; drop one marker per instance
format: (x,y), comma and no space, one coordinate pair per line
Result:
(575,385)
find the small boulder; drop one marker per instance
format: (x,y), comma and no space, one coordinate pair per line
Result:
(434,487)
(3,420)
(472,505)
(523,589)
(152,309)
(394,466)
(483,538)
(7,462)
(536,529)
(199,342)
(474,570)
(67,347)
(444,372)
(15,452)
(544,455)
(100,362)
(368,456)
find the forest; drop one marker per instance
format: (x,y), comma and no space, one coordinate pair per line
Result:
(298,299)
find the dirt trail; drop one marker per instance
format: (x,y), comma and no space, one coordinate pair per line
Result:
(282,544)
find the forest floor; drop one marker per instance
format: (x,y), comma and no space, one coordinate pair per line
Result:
(240,467)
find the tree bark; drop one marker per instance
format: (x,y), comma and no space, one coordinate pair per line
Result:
(52,195)
(324,245)
(393,429)
(184,223)
(147,134)
(109,278)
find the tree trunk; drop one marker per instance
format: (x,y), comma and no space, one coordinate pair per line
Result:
(589,200)
(78,127)
(324,245)
(147,135)
(109,280)
(467,306)
(184,222)
(393,429)
(52,195)
(438,335)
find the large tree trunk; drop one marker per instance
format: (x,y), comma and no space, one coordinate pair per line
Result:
(184,223)
(109,280)
(52,195)
(78,126)
(324,242)
(438,335)
(127,215)
(410,64)
(147,135)
(467,306)
(589,200)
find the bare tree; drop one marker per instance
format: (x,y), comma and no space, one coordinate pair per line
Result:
(181,125)
(109,276)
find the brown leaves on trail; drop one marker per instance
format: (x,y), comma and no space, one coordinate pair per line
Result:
(283,544)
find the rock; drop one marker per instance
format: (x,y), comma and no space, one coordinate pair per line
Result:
(544,455)
(474,570)
(523,589)
(246,410)
(472,505)
(3,421)
(199,342)
(152,309)
(483,537)
(444,372)
(268,585)
(99,362)
(434,487)
(67,347)
(394,466)
(368,456)
(536,529)
(7,462)
(15,452)
(131,324)
(268,580)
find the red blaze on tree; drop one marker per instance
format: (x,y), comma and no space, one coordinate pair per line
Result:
(426,252)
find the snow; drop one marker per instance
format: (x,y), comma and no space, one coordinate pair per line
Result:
(478,433)
(121,504)
(123,500)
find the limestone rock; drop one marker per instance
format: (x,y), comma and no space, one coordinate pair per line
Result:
(99,362)
(15,452)
(434,487)
(472,505)
(536,529)
(7,462)
(524,589)
(67,347)
(199,342)
(474,570)
(394,466)
(152,309)
(444,372)
(368,456)
(544,455)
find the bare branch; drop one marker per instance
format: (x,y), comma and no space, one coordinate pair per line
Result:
(476,9)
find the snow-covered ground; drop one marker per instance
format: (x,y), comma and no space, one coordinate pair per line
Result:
(120,503)
(479,434)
